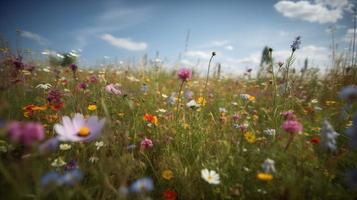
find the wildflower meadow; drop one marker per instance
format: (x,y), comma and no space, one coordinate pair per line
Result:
(152,131)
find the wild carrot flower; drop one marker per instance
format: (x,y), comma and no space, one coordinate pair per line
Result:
(210,176)
(113,89)
(146,143)
(292,126)
(142,185)
(167,174)
(184,74)
(26,133)
(79,129)
(328,136)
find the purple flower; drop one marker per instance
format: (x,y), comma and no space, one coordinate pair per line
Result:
(296,43)
(26,132)
(71,165)
(146,143)
(288,115)
(189,94)
(236,117)
(54,96)
(113,89)
(184,74)
(18,64)
(93,79)
(82,86)
(73,67)
(69,178)
(292,126)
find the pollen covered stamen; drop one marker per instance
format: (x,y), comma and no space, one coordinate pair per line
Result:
(83,131)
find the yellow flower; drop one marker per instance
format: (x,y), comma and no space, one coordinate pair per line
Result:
(250,137)
(330,103)
(251,98)
(264,176)
(201,101)
(186,126)
(92,107)
(167,174)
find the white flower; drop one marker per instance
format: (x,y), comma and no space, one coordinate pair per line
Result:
(93,159)
(328,136)
(193,104)
(58,162)
(161,110)
(222,110)
(99,144)
(270,132)
(210,176)
(46,70)
(79,129)
(65,147)
(268,166)
(44,86)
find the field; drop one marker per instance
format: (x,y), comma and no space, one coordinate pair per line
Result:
(172,134)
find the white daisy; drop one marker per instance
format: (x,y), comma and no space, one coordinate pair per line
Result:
(210,176)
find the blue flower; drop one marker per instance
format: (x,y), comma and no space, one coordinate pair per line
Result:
(142,185)
(144,88)
(296,43)
(49,146)
(349,93)
(328,136)
(71,177)
(50,177)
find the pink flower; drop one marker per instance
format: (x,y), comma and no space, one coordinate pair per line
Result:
(292,126)
(113,89)
(184,74)
(146,143)
(26,132)
(288,115)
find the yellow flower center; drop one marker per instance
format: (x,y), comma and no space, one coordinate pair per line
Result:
(209,178)
(83,131)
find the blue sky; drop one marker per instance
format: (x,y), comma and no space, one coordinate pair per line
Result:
(237,30)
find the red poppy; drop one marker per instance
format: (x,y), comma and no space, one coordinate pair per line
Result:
(170,194)
(315,140)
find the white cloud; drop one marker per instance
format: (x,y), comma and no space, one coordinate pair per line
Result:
(124,43)
(35,37)
(349,35)
(229,47)
(318,57)
(220,43)
(321,11)
(199,54)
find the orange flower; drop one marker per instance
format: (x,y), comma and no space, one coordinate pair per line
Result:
(29,109)
(151,119)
